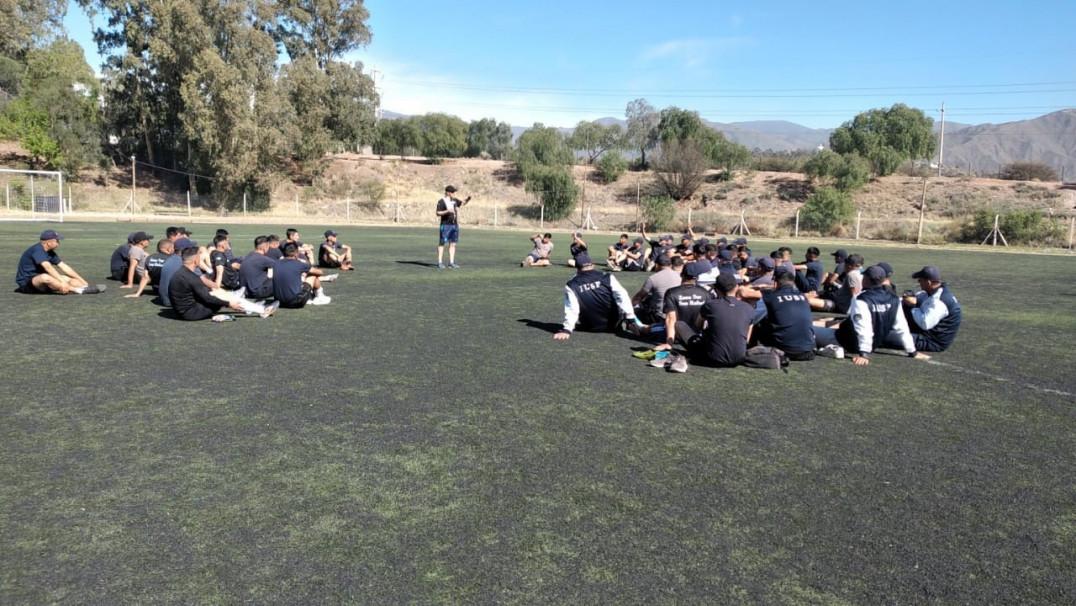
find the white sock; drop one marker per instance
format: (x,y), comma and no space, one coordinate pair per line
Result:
(321,291)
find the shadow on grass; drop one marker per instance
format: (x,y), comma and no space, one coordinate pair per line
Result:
(419,263)
(550,327)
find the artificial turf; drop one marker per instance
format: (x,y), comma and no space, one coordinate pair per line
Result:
(423,439)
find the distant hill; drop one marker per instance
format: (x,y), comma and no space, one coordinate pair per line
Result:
(1050,139)
(982,149)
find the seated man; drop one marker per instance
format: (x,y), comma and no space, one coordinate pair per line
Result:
(649,302)
(933,313)
(225,268)
(634,256)
(306,252)
(683,304)
(786,321)
(192,300)
(274,251)
(41,270)
(725,323)
(333,254)
(156,261)
(662,246)
(172,265)
(578,246)
(295,283)
(120,261)
(839,300)
(593,301)
(763,275)
(543,249)
(256,271)
(616,252)
(810,273)
(874,321)
(136,258)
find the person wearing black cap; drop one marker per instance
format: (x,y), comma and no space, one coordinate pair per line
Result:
(593,301)
(933,313)
(839,300)
(725,324)
(634,256)
(448,210)
(616,253)
(683,303)
(763,278)
(875,320)
(810,273)
(41,270)
(334,254)
(662,246)
(786,320)
(832,280)
(137,255)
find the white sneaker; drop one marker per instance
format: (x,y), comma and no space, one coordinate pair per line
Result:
(270,308)
(330,278)
(322,300)
(832,351)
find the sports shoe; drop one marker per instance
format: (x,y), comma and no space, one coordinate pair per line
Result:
(634,327)
(832,351)
(453,265)
(322,300)
(223,318)
(270,309)
(440,266)
(678,363)
(661,359)
(93,289)
(646,354)
(330,278)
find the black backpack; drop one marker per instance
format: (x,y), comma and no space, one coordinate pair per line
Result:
(761,356)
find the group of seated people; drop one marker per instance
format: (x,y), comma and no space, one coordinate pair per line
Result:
(714,300)
(198,282)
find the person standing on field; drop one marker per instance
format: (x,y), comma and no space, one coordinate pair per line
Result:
(447,210)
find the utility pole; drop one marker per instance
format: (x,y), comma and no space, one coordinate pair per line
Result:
(941,140)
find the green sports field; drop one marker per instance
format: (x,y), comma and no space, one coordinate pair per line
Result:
(423,439)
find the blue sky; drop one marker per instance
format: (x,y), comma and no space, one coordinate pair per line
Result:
(813,63)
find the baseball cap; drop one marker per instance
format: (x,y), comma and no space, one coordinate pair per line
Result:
(740,241)
(450,189)
(182,243)
(929,272)
(813,250)
(697,268)
(329,232)
(639,241)
(138,236)
(841,254)
(185,231)
(766,263)
(51,234)
(583,259)
(887,267)
(724,254)
(725,283)
(875,274)
(579,235)
(685,237)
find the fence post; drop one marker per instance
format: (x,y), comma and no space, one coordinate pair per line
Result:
(923,209)
(7,196)
(244,205)
(33,207)
(1072,230)
(541,224)
(859,217)
(188,204)
(797,232)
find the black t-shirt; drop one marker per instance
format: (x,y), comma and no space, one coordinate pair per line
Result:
(274,253)
(222,262)
(724,341)
(448,218)
(687,300)
(117,265)
(190,297)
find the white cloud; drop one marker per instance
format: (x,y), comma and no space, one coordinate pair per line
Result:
(692,53)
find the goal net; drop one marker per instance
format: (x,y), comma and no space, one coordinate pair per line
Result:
(33,194)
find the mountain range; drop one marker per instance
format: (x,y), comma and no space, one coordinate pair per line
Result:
(979,149)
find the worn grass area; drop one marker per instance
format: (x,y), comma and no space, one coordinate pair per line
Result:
(423,440)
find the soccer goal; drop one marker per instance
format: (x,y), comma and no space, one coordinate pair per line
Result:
(36,195)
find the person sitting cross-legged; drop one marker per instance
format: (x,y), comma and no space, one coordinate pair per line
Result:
(191,299)
(334,254)
(41,270)
(296,283)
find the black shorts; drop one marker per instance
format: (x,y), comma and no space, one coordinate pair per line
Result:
(306,293)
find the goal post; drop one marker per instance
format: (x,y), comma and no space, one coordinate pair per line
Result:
(36,195)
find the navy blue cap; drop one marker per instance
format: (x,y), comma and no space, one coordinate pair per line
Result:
(841,254)
(51,234)
(887,267)
(875,274)
(583,259)
(929,272)
(697,268)
(766,263)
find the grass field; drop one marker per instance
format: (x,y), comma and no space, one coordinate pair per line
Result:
(424,440)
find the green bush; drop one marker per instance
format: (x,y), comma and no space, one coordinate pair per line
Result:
(853,173)
(610,166)
(554,188)
(659,212)
(1028,227)
(827,208)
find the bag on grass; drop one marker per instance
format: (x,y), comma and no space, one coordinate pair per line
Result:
(761,356)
